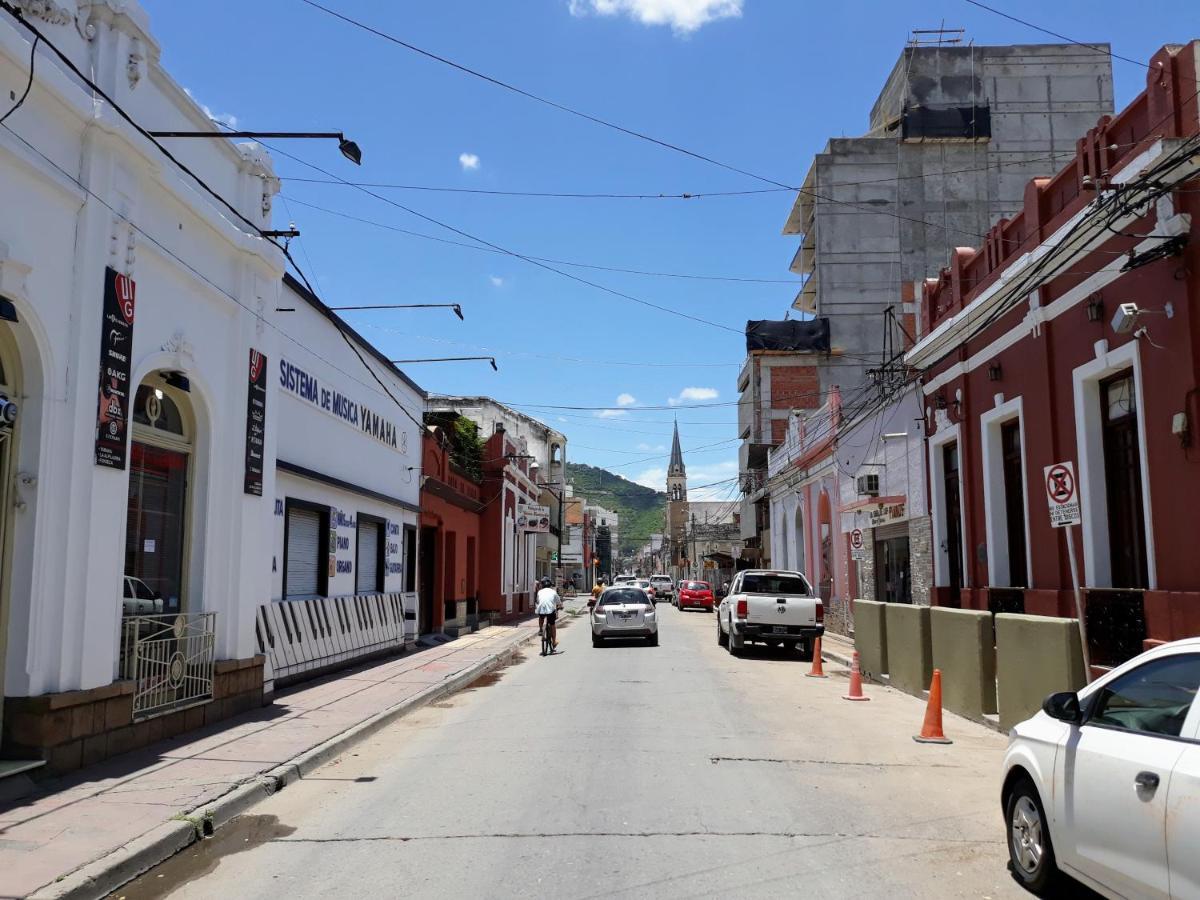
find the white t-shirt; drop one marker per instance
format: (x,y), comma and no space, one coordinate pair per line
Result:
(547,601)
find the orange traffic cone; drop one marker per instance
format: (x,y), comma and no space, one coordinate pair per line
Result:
(931,728)
(818,671)
(855,681)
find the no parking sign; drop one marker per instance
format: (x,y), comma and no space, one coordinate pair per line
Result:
(1062,494)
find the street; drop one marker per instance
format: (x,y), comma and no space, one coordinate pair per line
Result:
(630,771)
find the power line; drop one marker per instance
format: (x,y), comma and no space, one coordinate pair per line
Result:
(541,265)
(558,262)
(1062,37)
(614,126)
(69,63)
(191,268)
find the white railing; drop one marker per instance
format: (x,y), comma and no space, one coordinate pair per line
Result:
(169,658)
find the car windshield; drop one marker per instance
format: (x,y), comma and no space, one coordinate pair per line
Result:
(775,583)
(622,595)
(697,586)
(662,578)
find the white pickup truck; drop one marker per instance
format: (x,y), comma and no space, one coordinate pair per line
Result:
(771,607)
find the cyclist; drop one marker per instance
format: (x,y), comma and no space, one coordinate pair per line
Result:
(548,603)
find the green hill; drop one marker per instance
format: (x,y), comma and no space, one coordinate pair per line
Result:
(641,508)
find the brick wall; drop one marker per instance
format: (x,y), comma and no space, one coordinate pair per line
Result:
(920,558)
(73,729)
(795,387)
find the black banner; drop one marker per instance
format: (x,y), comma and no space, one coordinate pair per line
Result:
(256,423)
(116,343)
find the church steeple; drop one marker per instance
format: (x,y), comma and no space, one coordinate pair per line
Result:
(676,466)
(676,471)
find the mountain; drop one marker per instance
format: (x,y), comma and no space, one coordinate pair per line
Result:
(641,508)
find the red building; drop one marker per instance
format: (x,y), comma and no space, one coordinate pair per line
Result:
(508,565)
(1031,356)
(451,522)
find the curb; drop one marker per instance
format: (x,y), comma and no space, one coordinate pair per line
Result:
(103,876)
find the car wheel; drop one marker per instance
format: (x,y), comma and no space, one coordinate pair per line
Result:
(720,635)
(652,640)
(1029,848)
(735,643)
(595,641)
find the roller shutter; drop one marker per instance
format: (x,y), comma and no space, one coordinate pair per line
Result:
(303,553)
(367,577)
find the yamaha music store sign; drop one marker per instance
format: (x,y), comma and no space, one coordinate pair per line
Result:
(297,381)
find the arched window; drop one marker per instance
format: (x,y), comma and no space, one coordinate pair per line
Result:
(157,527)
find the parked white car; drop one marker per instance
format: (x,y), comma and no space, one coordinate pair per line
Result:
(1105,784)
(776,608)
(664,587)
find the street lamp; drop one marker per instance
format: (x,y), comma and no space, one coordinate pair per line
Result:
(490,359)
(349,149)
(454,306)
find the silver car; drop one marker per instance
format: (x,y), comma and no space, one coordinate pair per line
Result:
(624,612)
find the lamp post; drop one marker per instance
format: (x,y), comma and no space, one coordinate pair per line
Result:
(349,149)
(490,359)
(454,306)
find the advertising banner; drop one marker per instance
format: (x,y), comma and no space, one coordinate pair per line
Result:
(116,343)
(256,423)
(533,518)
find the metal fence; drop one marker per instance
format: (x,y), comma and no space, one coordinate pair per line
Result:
(170,660)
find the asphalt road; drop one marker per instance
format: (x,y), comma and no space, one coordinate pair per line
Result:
(630,771)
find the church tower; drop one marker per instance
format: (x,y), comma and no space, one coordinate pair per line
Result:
(677,507)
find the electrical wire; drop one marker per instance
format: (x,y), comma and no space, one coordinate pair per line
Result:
(616,127)
(541,265)
(96,89)
(28,84)
(543,259)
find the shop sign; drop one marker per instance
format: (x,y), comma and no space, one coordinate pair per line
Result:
(256,423)
(533,518)
(116,340)
(391,550)
(887,513)
(308,387)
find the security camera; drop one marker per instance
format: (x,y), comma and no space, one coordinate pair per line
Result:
(1125,318)
(8,411)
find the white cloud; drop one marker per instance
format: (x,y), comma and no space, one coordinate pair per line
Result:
(468,161)
(496,280)
(698,474)
(694,394)
(684,16)
(652,448)
(610,413)
(626,400)
(224,118)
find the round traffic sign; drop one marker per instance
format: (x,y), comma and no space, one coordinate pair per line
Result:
(1060,484)
(856,539)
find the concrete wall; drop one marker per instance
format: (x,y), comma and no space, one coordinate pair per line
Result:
(1035,656)
(964,651)
(870,637)
(909,647)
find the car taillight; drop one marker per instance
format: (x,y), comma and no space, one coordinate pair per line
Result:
(743,608)
(820,613)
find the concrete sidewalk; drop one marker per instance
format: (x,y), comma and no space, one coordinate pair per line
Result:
(82,835)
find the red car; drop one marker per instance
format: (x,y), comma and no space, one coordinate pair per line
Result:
(696,593)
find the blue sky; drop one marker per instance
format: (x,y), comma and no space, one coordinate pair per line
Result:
(761,84)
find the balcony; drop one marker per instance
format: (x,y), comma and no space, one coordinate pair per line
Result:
(747,414)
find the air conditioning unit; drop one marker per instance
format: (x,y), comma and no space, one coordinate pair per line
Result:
(868,485)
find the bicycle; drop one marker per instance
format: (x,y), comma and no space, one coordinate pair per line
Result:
(548,629)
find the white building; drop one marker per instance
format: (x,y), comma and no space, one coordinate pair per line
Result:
(347,492)
(141,352)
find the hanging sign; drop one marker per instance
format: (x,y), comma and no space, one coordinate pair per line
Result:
(1062,495)
(116,342)
(256,423)
(533,518)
